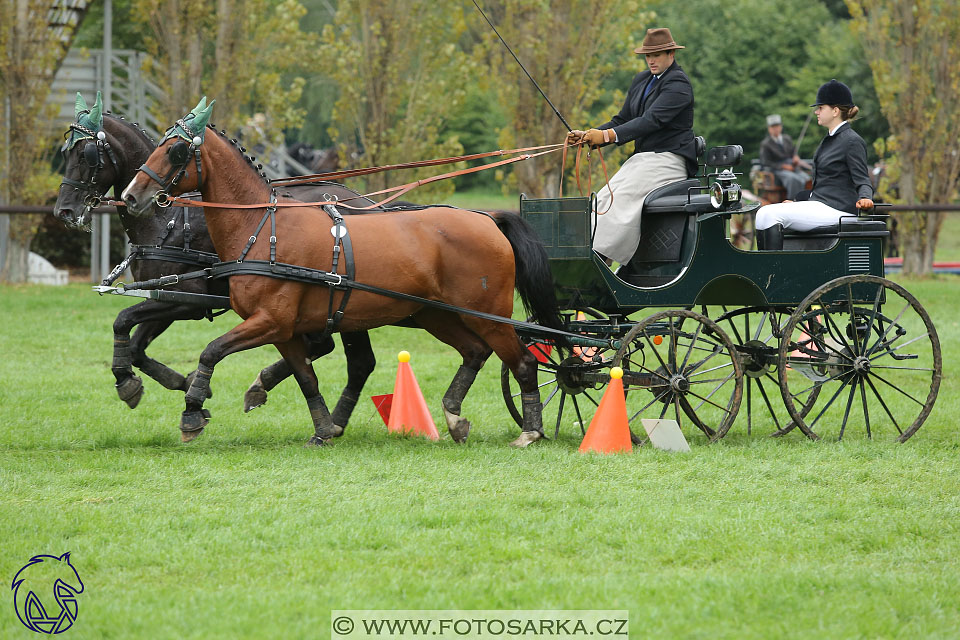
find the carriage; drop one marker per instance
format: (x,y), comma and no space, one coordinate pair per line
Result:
(812,336)
(816,323)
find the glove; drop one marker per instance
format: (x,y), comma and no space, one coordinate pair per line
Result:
(864,203)
(596,138)
(574,137)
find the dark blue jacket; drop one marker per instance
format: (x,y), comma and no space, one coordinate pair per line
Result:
(661,122)
(840,176)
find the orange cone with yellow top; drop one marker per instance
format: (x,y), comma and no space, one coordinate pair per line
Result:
(609,431)
(409,413)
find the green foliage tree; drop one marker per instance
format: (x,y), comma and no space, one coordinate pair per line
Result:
(30,52)
(914,52)
(399,77)
(569,48)
(244,53)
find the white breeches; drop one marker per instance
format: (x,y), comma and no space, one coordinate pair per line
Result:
(799,216)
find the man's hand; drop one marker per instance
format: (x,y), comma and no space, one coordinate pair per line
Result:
(574,137)
(865,203)
(595,137)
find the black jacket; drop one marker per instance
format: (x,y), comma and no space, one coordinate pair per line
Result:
(662,122)
(774,154)
(840,176)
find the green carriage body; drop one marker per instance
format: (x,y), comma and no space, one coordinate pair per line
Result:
(685,257)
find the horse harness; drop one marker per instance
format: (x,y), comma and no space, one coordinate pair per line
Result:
(93,153)
(179,157)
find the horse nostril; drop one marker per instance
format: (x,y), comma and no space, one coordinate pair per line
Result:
(130,201)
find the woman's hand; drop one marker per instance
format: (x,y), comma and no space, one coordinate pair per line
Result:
(865,203)
(574,137)
(594,137)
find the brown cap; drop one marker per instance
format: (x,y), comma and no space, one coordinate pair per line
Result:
(657,40)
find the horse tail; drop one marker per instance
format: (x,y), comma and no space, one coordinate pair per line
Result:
(534,281)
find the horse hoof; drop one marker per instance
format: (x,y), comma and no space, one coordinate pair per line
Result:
(130,391)
(314,441)
(192,424)
(526,439)
(459,431)
(190,436)
(458,427)
(189,381)
(326,434)
(256,396)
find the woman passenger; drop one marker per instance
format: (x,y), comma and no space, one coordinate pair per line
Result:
(841,183)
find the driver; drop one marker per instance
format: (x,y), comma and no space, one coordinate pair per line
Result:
(658,117)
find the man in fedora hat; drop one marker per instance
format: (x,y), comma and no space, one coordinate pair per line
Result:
(777,154)
(658,117)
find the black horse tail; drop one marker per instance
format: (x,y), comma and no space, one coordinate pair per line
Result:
(534,281)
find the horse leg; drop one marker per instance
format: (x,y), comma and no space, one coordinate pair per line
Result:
(295,352)
(360,364)
(506,344)
(152,318)
(449,329)
(145,334)
(257,330)
(274,374)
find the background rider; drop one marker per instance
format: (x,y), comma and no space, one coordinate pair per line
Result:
(778,154)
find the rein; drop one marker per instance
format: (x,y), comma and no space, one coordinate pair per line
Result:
(398,191)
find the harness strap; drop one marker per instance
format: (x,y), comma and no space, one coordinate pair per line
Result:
(269,213)
(341,242)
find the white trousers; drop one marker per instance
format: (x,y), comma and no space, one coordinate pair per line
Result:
(799,216)
(618,230)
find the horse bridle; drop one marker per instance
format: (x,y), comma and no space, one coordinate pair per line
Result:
(179,156)
(92,154)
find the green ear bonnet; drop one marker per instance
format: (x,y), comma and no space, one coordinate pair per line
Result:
(89,122)
(193,125)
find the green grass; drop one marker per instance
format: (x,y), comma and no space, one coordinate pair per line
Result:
(244,533)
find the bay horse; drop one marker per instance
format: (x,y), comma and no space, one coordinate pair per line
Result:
(468,259)
(92,166)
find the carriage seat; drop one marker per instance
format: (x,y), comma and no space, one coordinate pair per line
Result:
(672,198)
(824,237)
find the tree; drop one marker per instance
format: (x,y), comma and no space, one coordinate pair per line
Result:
(399,76)
(914,52)
(243,53)
(569,48)
(30,52)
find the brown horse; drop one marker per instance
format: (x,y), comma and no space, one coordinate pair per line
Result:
(464,258)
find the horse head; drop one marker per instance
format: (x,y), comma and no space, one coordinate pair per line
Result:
(169,170)
(89,171)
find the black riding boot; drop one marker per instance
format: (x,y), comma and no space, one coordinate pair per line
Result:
(770,239)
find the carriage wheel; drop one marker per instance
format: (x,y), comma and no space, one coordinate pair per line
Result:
(757,331)
(681,365)
(871,350)
(566,397)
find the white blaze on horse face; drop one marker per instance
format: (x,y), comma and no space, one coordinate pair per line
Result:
(142,193)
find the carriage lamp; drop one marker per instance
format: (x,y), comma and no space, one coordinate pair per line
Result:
(725,191)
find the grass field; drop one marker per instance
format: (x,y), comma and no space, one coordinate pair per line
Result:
(246,534)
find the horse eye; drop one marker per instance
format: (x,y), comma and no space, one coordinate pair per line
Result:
(178,153)
(91,155)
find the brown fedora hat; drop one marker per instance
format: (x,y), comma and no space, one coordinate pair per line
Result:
(657,40)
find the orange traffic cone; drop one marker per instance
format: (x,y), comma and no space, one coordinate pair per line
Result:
(609,431)
(409,413)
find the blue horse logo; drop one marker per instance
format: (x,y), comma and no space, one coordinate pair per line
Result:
(39,577)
